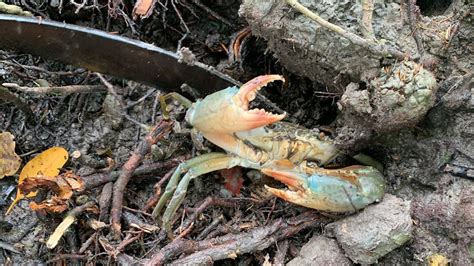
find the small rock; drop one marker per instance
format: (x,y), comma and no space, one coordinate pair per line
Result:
(320,250)
(375,231)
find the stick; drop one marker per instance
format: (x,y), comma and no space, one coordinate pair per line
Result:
(70,218)
(366,22)
(129,167)
(231,245)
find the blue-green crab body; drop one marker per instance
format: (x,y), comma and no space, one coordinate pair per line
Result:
(257,139)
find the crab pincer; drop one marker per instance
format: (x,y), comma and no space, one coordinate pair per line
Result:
(227,111)
(332,190)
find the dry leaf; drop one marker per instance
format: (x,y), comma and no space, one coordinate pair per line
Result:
(9,160)
(63,187)
(143,8)
(55,204)
(46,163)
(437,260)
(233,179)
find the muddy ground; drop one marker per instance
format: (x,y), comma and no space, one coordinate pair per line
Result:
(427,162)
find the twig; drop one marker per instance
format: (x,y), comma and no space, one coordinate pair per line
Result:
(70,218)
(372,46)
(138,211)
(183,23)
(366,22)
(211,226)
(9,247)
(64,90)
(282,249)
(209,201)
(412,11)
(271,211)
(104,202)
(40,69)
(66,257)
(8,96)
(129,167)
(134,221)
(128,240)
(148,94)
(151,202)
(211,12)
(87,243)
(95,180)
(231,245)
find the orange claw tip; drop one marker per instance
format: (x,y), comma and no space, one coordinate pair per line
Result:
(288,178)
(258,117)
(291,196)
(248,91)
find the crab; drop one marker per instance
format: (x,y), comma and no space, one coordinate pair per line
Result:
(257,139)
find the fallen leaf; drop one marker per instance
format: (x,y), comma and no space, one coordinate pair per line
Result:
(437,260)
(9,160)
(48,163)
(54,205)
(143,8)
(62,186)
(233,179)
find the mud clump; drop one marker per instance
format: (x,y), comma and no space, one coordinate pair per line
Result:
(399,97)
(311,50)
(320,250)
(375,231)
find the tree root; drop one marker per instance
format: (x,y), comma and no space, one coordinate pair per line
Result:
(232,245)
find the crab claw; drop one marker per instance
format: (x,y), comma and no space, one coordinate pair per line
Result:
(227,111)
(331,190)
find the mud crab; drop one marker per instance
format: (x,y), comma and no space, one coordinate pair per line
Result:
(258,139)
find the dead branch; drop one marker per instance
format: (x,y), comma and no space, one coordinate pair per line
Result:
(153,200)
(70,218)
(209,201)
(40,69)
(63,90)
(412,11)
(129,239)
(372,46)
(134,221)
(95,180)
(67,257)
(129,167)
(282,249)
(212,12)
(104,202)
(231,245)
(8,96)
(366,21)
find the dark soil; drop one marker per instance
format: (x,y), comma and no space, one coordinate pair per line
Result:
(418,162)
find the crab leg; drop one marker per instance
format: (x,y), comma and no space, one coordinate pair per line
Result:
(197,167)
(181,169)
(332,190)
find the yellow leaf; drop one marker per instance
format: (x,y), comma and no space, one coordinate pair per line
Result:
(47,163)
(9,160)
(437,260)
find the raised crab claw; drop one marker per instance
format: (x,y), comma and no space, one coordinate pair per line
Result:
(289,153)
